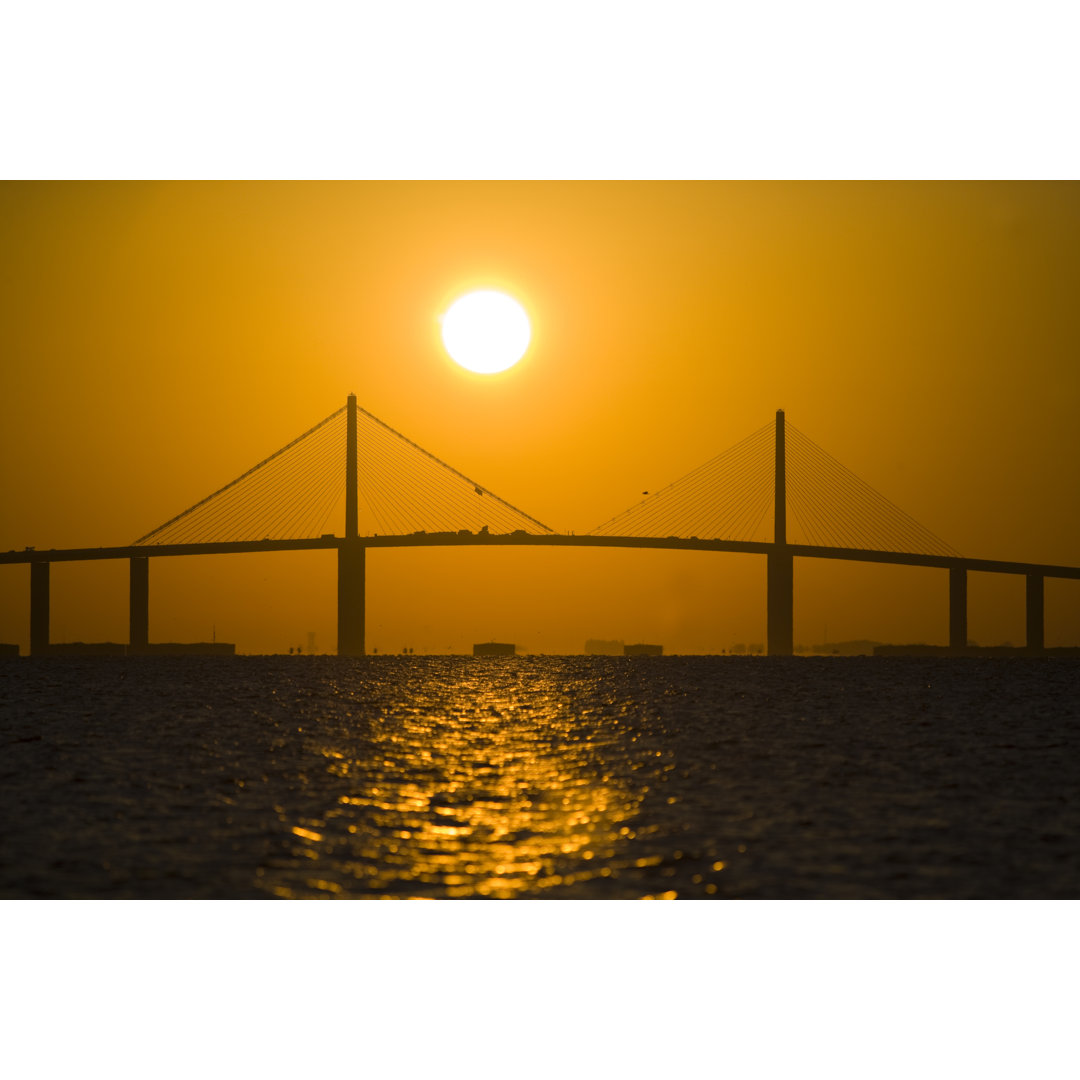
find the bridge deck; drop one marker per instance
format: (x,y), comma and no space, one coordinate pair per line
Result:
(670,543)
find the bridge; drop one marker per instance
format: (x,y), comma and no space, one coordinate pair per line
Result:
(414,499)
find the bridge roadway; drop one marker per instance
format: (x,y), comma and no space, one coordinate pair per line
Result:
(352,573)
(669,543)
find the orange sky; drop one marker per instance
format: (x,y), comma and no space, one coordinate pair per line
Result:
(159,339)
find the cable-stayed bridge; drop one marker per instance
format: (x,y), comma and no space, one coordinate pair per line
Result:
(351,467)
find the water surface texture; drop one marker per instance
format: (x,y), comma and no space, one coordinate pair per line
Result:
(539,777)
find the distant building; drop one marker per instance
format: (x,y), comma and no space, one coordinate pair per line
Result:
(494,648)
(165,648)
(643,650)
(974,650)
(87,648)
(193,648)
(597,647)
(859,647)
(119,648)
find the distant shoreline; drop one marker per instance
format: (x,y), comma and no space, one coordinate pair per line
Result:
(114,650)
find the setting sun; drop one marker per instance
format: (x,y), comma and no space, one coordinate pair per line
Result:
(486,332)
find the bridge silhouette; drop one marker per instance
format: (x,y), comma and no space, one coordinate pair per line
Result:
(412,498)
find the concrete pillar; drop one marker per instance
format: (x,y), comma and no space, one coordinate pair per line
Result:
(780,606)
(350,616)
(1035,638)
(39,608)
(139,605)
(958,634)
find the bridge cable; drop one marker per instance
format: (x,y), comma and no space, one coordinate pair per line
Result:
(877,521)
(449,468)
(846,508)
(243,476)
(677,508)
(400,488)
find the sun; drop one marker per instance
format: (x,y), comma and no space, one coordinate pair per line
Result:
(486,331)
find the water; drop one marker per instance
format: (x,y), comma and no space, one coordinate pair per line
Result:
(540,777)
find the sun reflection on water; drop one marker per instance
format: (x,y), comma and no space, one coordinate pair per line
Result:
(490,787)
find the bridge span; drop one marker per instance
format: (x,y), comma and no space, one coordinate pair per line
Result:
(352,574)
(352,547)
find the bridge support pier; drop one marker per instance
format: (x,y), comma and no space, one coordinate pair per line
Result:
(780,604)
(139,605)
(1035,639)
(39,608)
(351,599)
(958,634)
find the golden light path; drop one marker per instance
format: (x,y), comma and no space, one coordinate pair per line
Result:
(486,331)
(490,790)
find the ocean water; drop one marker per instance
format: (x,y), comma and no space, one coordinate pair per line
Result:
(540,777)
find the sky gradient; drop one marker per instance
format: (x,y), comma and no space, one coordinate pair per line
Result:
(160,338)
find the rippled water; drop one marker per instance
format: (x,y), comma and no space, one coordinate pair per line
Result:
(541,777)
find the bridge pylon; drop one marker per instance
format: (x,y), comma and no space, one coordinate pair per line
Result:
(138,604)
(780,572)
(352,555)
(779,603)
(39,607)
(351,598)
(351,477)
(958,630)
(1035,613)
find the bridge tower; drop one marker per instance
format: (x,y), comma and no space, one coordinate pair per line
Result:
(352,553)
(138,604)
(1036,641)
(958,628)
(39,607)
(779,604)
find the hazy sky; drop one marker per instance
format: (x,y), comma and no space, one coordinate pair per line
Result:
(160,338)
